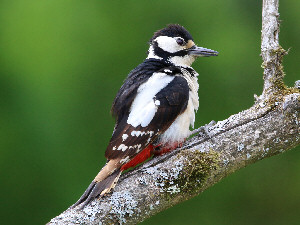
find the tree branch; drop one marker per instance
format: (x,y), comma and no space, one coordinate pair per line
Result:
(269,127)
(271,52)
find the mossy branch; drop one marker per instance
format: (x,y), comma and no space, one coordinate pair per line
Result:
(269,127)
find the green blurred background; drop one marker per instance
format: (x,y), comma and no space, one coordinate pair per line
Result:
(61,64)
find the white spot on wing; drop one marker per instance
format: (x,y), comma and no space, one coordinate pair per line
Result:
(135,133)
(122,147)
(157,102)
(138,148)
(143,107)
(124,137)
(125,160)
(135,146)
(150,133)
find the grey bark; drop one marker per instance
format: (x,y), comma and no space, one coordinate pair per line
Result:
(269,127)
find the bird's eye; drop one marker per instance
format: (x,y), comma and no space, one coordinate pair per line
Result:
(180,41)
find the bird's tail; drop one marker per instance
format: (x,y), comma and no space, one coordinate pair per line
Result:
(99,188)
(109,175)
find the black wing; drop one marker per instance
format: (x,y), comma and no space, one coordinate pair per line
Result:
(129,141)
(136,77)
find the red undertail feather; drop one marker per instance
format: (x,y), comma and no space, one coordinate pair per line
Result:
(139,158)
(148,152)
(160,150)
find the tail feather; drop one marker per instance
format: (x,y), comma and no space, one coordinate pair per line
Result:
(85,194)
(96,189)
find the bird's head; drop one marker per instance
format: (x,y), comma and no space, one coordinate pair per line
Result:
(175,45)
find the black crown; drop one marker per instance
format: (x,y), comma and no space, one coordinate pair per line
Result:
(173,30)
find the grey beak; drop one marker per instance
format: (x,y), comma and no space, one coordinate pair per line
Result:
(199,51)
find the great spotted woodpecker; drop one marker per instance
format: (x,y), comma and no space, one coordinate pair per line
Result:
(154,108)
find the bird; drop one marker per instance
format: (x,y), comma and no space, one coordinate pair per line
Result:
(154,108)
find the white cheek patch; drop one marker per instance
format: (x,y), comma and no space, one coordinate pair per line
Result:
(144,106)
(184,61)
(168,44)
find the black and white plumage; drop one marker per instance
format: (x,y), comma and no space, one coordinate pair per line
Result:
(154,108)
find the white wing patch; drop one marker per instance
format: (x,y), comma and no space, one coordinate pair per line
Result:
(144,105)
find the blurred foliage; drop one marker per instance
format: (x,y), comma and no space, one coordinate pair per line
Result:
(61,64)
